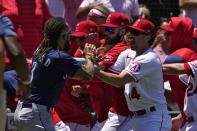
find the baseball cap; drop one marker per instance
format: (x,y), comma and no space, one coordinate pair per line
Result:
(144,26)
(195,33)
(85,27)
(168,27)
(116,19)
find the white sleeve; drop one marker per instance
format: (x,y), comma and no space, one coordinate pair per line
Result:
(119,65)
(85,3)
(193,66)
(135,8)
(140,68)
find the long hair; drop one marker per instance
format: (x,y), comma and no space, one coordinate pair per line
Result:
(52,30)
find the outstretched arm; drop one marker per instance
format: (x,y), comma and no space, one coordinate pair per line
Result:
(114,79)
(173,69)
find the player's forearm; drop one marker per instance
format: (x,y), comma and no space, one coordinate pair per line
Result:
(173,69)
(110,78)
(17,57)
(83,12)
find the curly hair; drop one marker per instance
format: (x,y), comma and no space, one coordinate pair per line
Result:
(52,30)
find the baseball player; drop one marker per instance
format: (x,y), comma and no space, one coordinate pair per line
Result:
(71,115)
(190,68)
(50,67)
(178,38)
(143,82)
(9,42)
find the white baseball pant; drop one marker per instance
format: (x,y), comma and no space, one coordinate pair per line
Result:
(70,126)
(192,126)
(98,126)
(158,120)
(114,122)
(36,118)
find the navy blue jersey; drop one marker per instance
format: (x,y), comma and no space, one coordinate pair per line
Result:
(48,76)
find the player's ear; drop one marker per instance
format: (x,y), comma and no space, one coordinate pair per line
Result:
(122,31)
(147,37)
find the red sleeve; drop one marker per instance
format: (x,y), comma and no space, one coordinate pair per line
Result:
(55,116)
(111,56)
(188,69)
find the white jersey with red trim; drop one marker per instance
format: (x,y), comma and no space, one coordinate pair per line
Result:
(190,101)
(147,90)
(124,59)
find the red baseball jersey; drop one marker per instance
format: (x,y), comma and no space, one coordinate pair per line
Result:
(103,96)
(67,107)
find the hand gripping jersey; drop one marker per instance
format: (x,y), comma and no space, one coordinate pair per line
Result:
(190,101)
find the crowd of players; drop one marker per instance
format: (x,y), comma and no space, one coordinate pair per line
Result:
(114,72)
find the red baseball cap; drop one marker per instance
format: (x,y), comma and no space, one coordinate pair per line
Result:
(144,26)
(85,27)
(116,19)
(168,27)
(195,33)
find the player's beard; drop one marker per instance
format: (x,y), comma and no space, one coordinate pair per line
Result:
(113,41)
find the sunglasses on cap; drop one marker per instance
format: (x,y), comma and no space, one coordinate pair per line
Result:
(109,29)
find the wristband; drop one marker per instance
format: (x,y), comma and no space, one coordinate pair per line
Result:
(25,82)
(81,60)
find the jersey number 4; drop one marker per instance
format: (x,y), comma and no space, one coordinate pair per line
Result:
(134,94)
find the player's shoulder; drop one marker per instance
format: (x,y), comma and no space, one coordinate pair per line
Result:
(149,57)
(53,54)
(128,53)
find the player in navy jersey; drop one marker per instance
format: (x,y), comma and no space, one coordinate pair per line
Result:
(50,67)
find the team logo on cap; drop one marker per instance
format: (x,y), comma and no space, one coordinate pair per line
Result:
(77,27)
(169,23)
(122,23)
(108,19)
(91,29)
(134,67)
(136,22)
(195,29)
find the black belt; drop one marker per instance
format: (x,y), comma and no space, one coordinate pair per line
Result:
(142,112)
(29,105)
(190,119)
